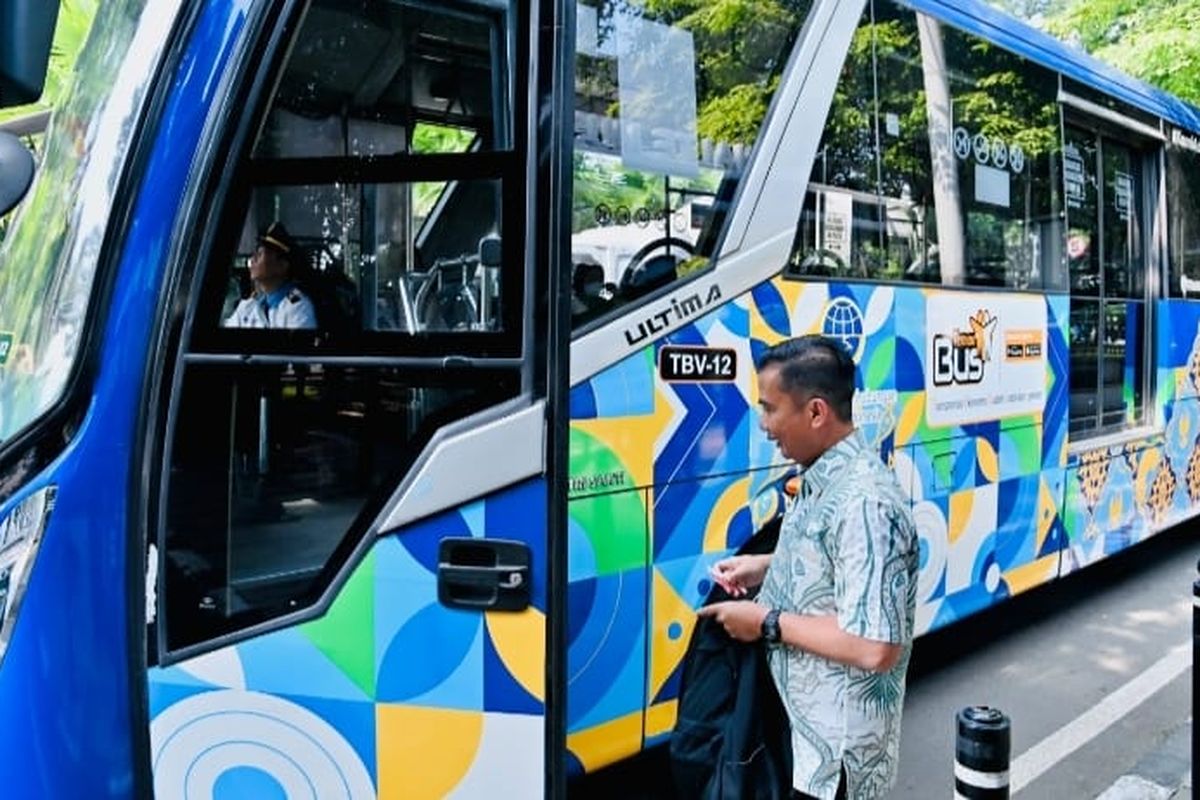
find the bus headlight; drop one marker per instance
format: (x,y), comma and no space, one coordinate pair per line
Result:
(20,535)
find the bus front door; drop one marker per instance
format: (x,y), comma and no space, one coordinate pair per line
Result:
(351,555)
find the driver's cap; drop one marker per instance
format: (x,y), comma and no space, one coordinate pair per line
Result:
(277,237)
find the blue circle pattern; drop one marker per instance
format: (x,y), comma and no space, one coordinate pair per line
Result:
(246,782)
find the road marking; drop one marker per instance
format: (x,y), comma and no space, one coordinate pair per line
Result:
(1087,726)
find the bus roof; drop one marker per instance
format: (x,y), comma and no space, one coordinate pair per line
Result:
(981,19)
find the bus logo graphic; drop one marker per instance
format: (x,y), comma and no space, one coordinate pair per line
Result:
(844,322)
(959,358)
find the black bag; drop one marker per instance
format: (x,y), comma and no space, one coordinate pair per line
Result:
(731,740)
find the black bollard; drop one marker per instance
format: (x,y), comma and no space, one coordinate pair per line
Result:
(1195,675)
(981,754)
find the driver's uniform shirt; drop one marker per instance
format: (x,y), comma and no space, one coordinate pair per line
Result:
(287,307)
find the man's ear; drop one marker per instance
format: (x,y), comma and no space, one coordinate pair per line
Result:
(820,411)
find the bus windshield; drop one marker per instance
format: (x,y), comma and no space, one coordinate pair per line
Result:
(49,255)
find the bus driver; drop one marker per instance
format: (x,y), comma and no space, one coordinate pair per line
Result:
(276,301)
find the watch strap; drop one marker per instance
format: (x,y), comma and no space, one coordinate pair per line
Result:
(770,627)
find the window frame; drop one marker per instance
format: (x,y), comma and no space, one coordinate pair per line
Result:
(1149,152)
(880,200)
(205,230)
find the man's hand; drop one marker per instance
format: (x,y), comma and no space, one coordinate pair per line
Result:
(736,574)
(741,619)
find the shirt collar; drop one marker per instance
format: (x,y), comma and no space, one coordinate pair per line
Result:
(273,299)
(825,470)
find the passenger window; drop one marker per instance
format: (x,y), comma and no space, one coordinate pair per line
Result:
(960,188)
(1183,210)
(373,230)
(668,105)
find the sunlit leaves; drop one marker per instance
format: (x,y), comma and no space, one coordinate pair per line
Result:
(737,115)
(1154,40)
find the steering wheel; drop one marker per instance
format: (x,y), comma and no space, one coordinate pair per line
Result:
(822,262)
(664,243)
(653,266)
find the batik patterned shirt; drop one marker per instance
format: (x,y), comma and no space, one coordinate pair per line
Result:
(847,548)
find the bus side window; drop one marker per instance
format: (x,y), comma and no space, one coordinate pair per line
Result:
(666,115)
(274,468)
(929,192)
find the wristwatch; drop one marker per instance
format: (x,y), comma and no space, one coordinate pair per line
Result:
(770,627)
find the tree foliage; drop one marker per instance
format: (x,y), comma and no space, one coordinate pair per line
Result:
(1032,10)
(1154,40)
(74,22)
(738,42)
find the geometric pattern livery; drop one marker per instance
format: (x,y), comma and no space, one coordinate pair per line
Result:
(668,477)
(1121,494)
(395,696)
(389,694)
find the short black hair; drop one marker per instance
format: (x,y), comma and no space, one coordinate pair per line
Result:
(814,366)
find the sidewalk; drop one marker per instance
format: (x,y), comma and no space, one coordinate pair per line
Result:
(1164,773)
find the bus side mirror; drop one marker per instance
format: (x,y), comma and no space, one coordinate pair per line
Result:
(26,32)
(16,171)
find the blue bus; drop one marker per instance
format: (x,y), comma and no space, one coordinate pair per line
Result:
(376,376)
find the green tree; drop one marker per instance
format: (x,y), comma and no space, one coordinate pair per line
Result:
(74,22)
(1154,40)
(738,42)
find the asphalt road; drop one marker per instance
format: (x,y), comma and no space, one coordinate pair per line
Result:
(1094,671)
(1055,656)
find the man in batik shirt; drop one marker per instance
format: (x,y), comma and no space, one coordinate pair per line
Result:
(839,592)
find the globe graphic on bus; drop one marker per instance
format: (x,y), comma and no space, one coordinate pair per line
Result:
(844,322)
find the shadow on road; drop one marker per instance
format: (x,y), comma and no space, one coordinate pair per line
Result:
(940,649)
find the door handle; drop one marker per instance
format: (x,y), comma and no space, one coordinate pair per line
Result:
(484,574)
